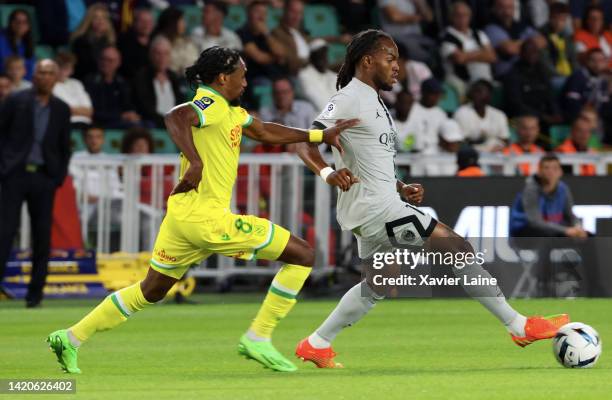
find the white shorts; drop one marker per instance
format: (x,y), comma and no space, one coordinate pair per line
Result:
(400,225)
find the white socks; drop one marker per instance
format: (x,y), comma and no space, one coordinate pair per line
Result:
(517,325)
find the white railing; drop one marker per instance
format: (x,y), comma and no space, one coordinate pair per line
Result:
(142,213)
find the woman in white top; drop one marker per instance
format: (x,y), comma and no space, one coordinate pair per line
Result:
(72,92)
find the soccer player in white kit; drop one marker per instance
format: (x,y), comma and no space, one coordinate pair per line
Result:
(375,205)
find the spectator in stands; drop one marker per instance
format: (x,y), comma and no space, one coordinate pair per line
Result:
(507,36)
(594,35)
(16,71)
(401,19)
(134,44)
(72,91)
(110,93)
(171,24)
(527,130)
(93,183)
(527,88)
(450,142)
(405,132)
(410,77)
(544,207)
(212,32)
(559,55)
(286,110)
(485,127)
(137,141)
(264,54)
(317,81)
(6,87)
(290,35)
(34,158)
(426,119)
(467,53)
(156,87)
(587,86)
(95,33)
(16,40)
(578,142)
(467,163)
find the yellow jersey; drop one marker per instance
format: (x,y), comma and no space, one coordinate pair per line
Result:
(217,141)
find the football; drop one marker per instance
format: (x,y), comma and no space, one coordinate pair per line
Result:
(577,345)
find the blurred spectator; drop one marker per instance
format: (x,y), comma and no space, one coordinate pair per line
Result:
(134,44)
(587,86)
(485,127)
(527,130)
(559,55)
(110,93)
(34,158)
(286,110)
(594,35)
(290,35)
(507,36)
(450,142)
(139,141)
(401,19)
(263,52)
(410,76)
(544,207)
(578,142)
(467,163)
(527,88)
(72,91)
(467,53)
(355,15)
(317,81)
(212,32)
(405,132)
(16,71)
(95,33)
(93,183)
(171,24)
(155,86)
(426,119)
(17,40)
(6,87)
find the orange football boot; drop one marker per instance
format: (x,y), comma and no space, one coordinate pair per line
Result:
(322,358)
(538,328)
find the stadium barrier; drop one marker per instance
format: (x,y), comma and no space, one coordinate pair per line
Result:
(276,186)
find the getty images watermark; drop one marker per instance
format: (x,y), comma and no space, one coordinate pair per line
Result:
(404,269)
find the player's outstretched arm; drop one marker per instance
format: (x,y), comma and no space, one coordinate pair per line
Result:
(270,132)
(310,154)
(178,122)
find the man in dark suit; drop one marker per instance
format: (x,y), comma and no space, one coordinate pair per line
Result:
(34,156)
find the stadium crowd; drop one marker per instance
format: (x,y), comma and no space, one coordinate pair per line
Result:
(504,76)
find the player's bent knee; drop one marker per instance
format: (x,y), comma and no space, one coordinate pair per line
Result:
(155,286)
(299,252)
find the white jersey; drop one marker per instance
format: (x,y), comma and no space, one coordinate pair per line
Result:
(369,153)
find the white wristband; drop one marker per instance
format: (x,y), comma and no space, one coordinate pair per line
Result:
(325,172)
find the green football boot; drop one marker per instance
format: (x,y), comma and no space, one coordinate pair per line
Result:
(64,350)
(265,354)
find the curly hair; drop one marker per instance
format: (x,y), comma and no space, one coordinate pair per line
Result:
(360,45)
(212,62)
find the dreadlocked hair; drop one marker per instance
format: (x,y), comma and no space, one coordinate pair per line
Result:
(360,45)
(212,62)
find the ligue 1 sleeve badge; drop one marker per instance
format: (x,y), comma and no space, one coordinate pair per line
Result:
(203,103)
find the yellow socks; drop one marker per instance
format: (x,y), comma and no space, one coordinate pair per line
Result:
(114,310)
(279,300)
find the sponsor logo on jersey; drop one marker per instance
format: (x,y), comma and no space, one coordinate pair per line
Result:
(235,136)
(203,103)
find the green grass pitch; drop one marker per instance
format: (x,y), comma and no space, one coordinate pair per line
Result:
(405,349)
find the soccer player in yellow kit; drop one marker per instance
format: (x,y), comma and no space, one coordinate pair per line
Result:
(199,222)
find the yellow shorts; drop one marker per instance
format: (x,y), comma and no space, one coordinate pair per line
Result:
(181,244)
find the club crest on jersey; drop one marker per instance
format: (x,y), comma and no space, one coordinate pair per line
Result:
(203,103)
